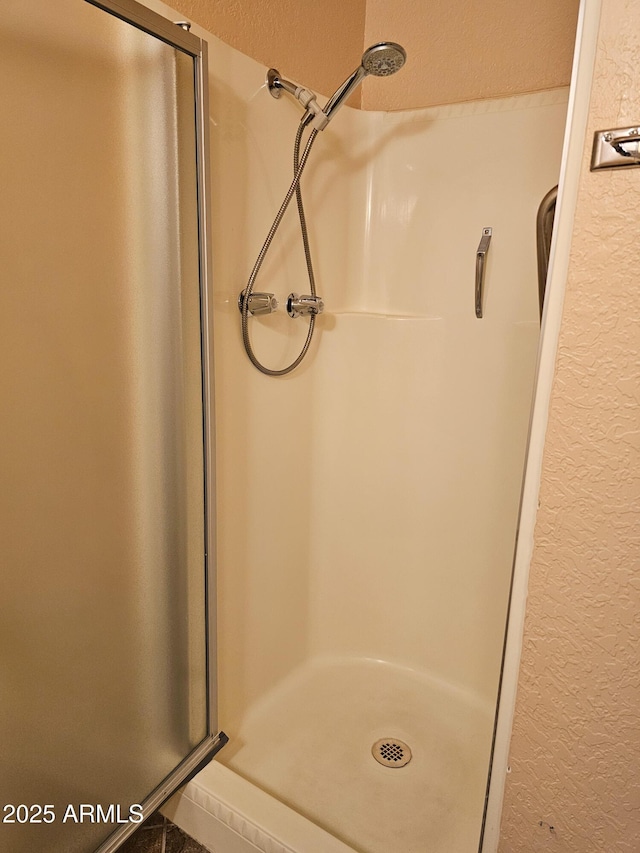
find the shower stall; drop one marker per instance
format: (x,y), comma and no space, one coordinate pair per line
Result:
(368,500)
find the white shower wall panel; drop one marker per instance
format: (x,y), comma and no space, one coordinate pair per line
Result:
(439,176)
(367,502)
(414,524)
(419,458)
(266,428)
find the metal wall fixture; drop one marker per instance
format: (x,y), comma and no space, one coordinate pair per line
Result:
(297,306)
(259,303)
(300,306)
(481,255)
(544,233)
(617,148)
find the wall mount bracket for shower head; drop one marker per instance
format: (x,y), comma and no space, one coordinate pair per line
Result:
(315,114)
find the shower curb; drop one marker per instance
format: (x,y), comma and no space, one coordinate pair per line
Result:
(258,822)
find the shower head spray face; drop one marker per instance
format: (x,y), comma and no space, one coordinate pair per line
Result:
(384,59)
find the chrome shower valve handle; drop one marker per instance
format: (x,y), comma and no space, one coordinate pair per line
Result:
(298,306)
(259,303)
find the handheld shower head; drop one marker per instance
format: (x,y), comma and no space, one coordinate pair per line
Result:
(379,60)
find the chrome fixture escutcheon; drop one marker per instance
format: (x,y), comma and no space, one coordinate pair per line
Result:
(298,306)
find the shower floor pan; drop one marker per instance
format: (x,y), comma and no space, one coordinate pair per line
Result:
(308,746)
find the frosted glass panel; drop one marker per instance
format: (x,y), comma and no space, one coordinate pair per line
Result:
(102,605)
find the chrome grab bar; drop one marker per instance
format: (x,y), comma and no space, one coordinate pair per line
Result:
(481,255)
(544,232)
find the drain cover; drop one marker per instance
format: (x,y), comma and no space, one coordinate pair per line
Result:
(391,752)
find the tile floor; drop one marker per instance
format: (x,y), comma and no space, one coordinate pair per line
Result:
(159,835)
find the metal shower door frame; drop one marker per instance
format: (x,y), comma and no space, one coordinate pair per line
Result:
(180,38)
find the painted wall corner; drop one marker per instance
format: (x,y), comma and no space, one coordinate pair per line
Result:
(575,747)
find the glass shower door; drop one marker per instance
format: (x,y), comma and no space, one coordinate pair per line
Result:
(106,652)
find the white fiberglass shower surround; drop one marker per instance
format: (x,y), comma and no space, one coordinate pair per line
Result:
(367,504)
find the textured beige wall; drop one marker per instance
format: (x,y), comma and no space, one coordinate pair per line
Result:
(575,751)
(459,50)
(314,43)
(465,50)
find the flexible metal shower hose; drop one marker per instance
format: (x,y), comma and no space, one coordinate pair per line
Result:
(298,167)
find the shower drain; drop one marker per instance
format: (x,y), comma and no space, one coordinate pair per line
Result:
(391,752)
